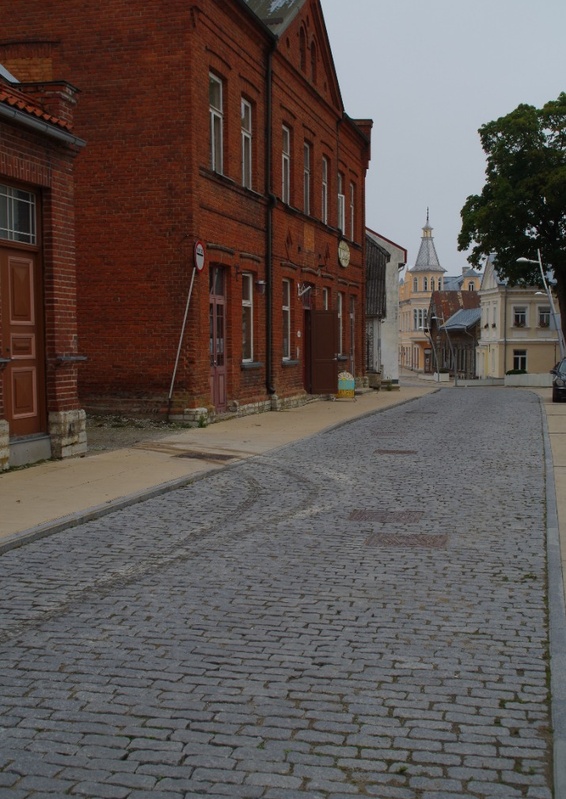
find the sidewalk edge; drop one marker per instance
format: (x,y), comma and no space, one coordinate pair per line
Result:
(556,621)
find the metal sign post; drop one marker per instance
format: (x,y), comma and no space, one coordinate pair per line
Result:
(199,258)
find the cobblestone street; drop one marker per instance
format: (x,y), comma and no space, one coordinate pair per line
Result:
(362,613)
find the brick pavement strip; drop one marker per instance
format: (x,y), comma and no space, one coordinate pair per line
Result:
(326,621)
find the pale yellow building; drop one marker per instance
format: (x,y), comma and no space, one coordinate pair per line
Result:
(415,291)
(517,329)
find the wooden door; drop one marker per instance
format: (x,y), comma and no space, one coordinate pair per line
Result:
(22,342)
(217,337)
(323,345)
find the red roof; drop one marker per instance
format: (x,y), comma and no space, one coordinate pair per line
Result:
(12,97)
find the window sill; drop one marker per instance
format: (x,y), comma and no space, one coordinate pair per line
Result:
(288,362)
(248,366)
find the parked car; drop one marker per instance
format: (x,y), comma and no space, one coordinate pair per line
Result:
(559,381)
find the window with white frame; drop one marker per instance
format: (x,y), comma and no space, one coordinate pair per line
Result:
(415,284)
(341,204)
(325,299)
(216,123)
(286,166)
(17,215)
(432,284)
(544,316)
(519,316)
(340,308)
(419,318)
(471,286)
(440,284)
(246,116)
(286,315)
(307,150)
(247,317)
(352,210)
(425,283)
(324,198)
(520,360)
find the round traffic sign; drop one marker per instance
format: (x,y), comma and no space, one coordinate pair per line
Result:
(199,255)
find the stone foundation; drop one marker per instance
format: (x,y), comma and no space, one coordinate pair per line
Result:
(4,445)
(67,430)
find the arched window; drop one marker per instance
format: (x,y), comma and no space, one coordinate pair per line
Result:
(471,286)
(432,284)
(313,61)
(425,283)
(415,284)
(303,49)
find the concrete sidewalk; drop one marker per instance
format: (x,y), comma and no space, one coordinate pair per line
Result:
(55,495)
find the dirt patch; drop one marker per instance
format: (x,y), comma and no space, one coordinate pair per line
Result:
(105,433)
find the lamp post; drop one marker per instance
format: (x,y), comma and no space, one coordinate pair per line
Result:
(426,331)
(452,355)
(550,300)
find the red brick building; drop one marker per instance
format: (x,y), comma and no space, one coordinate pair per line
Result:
(39,408)
(219,126)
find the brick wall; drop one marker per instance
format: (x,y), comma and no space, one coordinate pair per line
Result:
(44,166)
(145,191)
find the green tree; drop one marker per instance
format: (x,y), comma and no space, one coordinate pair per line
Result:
(522,206)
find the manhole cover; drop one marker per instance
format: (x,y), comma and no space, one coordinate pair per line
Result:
(386,516)
(412,541)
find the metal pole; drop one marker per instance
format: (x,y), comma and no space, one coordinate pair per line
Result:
(451,352)
(557,327)
(180,342)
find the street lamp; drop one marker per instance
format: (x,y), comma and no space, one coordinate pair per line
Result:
(557,327)
(426,331)
(452,355)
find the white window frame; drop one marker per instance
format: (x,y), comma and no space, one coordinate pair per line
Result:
(325,299)
(543,316)
(247,143)
(286,165)
(307,157)
(216,124)
(341,222)
(520,318)
(16,206)
(286,320)
(248,311)
(520,359)
(324,181)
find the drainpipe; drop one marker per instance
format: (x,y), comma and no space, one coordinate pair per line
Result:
(269,224)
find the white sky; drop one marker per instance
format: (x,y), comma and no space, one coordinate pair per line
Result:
(430,73)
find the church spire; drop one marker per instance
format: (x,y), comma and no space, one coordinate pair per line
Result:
(427,259)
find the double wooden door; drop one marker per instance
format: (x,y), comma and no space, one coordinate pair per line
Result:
(217,337)
(22,344)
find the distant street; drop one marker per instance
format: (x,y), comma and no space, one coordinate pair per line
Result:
(362,613)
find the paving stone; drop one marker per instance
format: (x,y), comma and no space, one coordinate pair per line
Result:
(260,634)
